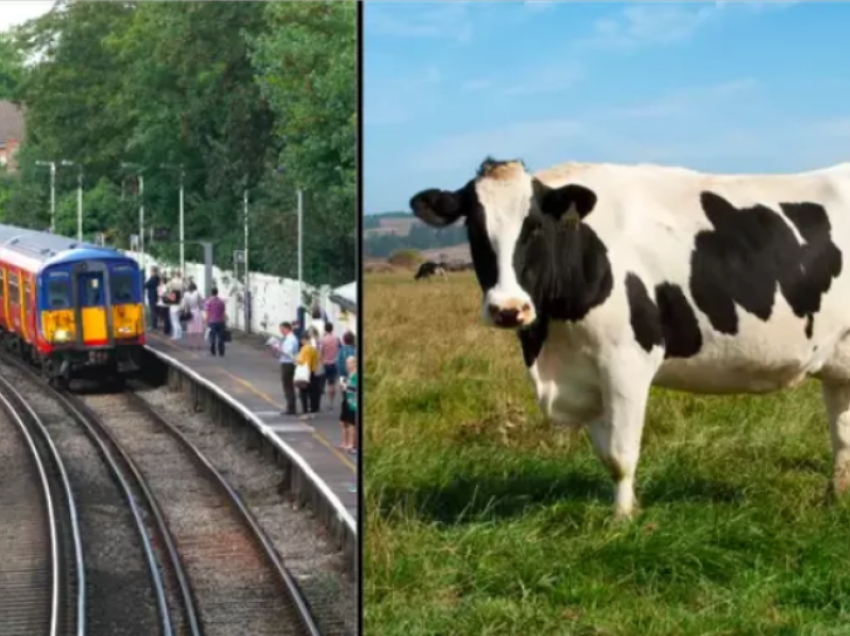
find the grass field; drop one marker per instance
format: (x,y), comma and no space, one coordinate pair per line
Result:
(481,519)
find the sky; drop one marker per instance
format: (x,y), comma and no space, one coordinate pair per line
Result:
(714,86)
(16,12)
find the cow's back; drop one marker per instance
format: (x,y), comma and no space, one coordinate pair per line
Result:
(747,275)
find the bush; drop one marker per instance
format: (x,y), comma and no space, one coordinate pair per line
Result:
(406,258)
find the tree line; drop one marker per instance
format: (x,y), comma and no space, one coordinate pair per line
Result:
(421,237)
(239,94)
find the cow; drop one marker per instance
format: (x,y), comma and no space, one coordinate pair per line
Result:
(616,278)
(428,269)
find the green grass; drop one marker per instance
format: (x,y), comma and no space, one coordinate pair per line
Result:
(482,519)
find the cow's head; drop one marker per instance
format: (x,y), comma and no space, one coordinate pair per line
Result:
(516,226)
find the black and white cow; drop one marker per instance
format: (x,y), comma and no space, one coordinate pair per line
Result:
(620,277)
(428,269)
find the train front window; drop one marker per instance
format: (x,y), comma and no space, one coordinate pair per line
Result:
(124,285)
(91,290)
(58,291)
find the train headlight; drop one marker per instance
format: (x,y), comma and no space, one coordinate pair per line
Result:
(61,335)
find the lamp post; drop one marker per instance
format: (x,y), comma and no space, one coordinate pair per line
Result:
(140,170)
(52,165)
(300,244)
(248,295)
(300,194)
(181,221)
(66,162)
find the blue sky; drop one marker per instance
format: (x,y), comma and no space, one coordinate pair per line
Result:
(716,86)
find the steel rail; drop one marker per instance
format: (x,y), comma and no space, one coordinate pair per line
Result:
(153,568)
(79,562)
(288,582)
(84,413)
(50,509)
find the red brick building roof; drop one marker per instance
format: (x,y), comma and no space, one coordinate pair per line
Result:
(11,123)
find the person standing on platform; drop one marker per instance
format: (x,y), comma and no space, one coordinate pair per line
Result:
(346,351)
(162,305)
(329,349)
(192,311)
(315,340)
(299,325)
(175,302)
(216,320)
(151,291)
(318,318)
(311,393)
(349,407)
(286,348)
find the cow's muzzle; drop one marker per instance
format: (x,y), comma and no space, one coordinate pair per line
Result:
(511,316)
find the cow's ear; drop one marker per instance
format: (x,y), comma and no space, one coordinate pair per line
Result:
(558,201)
(438,208)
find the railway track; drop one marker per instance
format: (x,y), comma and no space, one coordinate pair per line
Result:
(42,587)
(212,570)
(117,570)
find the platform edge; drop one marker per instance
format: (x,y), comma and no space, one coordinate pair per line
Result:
(268,433)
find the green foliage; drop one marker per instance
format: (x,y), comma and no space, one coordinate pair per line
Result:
(5,190)
(406,258)
(11,66)
(197,85)
(99,203)
(307,72)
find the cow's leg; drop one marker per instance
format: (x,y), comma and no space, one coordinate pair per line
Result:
(617,434)
(836,397)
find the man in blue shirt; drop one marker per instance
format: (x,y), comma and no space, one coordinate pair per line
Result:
(287,350)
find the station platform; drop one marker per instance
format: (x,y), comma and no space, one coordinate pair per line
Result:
(250,375)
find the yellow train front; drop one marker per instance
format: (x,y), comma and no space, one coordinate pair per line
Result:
(71,308)
(91,316)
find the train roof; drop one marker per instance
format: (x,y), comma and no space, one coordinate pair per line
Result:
(49,248)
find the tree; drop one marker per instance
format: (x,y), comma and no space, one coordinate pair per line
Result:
(306,69)
(11,66)
(164,85)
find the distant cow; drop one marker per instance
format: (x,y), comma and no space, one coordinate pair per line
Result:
(428,269)
(620,277)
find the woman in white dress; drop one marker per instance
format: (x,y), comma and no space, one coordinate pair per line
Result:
(162,306)
(193,304)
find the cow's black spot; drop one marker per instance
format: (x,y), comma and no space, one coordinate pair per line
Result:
(532,338)
(565,269)
(820,261)
(669,320)
(483,257)
(645,319)
(751,251)
(682,335)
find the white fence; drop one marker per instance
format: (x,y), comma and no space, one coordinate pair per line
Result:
(274,299)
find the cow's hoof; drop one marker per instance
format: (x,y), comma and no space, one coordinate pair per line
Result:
(623,515)
(837,492)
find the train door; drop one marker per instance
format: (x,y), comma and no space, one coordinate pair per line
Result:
(29,308)
(4,312)
(92,295)
(14,301)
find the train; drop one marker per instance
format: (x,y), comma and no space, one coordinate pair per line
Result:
(73,309)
